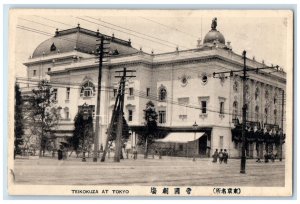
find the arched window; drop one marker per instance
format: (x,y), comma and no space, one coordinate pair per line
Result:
(275,99)
(267,94)
(235,86)
(87,89)
(256,93)
(256,113)
(247,89)
(275,116)
(235,109)
(247,111)
(67,113)
(162,94)
(266,115)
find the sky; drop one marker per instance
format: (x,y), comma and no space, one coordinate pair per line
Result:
(262,34)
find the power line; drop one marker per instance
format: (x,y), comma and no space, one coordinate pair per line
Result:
(124,32)
(60,37)
(136,32)
(37,23)
(176,29)
(51,35)
(72,40)
(143,94)
(53,20)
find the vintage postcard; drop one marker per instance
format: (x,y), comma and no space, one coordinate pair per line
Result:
(150,102)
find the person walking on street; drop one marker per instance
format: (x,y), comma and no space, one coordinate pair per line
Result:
(221,156)
(215,156)
(60,153)
(225,156)
(134,153)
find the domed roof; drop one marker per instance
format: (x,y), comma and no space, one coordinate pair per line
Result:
(214,35)
(82,40)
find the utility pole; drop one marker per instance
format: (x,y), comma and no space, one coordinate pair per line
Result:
(243,158)
(118,114)
(281,134)
(97,129)
(118,142)
(244,108)
(109,131)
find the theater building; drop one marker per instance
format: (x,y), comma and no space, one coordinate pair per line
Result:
(180,84)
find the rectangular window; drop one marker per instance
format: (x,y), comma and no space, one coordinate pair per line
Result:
(49,69)
(68,93)
(203,106)
(161,117)
(148,91)
(67,115)
(88,92)
(54,94)
(182,109)
(129,115)
(221,142)
(130,91)
(34,72)
(115,92)
(221,107)
(203,103)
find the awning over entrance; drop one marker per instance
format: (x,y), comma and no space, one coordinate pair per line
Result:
(181,137)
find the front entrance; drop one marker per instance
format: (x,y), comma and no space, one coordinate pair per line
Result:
(202,150)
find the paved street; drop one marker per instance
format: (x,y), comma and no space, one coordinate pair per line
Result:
(166,171)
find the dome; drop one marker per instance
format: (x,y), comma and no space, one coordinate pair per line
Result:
(214,35)
(82,40)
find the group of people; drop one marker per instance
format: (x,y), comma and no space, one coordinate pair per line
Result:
(221,155)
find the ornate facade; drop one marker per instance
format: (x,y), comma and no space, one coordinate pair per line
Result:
(179,83)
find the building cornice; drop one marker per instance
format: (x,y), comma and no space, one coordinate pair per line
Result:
(56,56)
(137,59)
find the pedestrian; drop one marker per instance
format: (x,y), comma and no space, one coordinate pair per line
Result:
(225,156)
(266,156)
(221,156)
(134,153)
(215,156)
(60,153)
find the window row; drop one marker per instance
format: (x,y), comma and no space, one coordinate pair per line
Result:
(258,116)
(54,93)
(34,72)
(257,92)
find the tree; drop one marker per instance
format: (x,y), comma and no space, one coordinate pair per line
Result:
(125,133)
(44,115)
(151,126)
(83,137)
(19,122)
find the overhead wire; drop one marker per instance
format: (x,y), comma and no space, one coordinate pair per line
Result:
(125,32)
(152,97)
(170,27)
(176,44)
(37,31)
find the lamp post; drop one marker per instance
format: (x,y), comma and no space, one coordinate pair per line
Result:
(85,115)
(195,126)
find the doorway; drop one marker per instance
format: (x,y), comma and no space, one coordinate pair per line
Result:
(203,146)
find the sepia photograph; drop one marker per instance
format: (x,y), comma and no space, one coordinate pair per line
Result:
(108,102)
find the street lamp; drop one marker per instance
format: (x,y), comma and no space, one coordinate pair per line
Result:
(195,126)
(85,114)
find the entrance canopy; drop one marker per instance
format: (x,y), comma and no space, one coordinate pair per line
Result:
(181,137)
